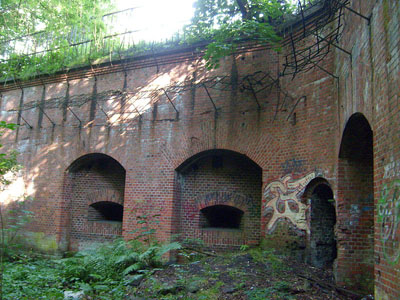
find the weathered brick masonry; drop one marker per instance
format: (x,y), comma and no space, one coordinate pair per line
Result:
(368,99)
(164,137)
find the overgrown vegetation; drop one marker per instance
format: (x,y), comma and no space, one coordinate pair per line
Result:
(61,35)
(102,273)
(136,270)
(35,36)
(227,23)
(133,268)
(10,221)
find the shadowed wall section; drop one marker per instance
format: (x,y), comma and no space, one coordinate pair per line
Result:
(95,198)
(356,205)
(322,250)
(218,199)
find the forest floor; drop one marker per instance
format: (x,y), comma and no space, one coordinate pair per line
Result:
(136,271)
(252,275)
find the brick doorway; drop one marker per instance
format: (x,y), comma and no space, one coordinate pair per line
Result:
(322,248)
(355,230)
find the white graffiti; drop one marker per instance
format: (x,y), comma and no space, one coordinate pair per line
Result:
(392,169)
(283,201)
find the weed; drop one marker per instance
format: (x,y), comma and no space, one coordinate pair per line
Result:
(211,293)
(103,273)
(269,257)
(244,248)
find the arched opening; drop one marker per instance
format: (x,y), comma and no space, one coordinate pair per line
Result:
(218,199)
(322,240)
(105,211)
(355,233)
(221,216)
(95,187)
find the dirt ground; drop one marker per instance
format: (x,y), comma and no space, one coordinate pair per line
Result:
(252,275)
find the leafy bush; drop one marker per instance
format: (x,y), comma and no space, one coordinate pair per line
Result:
(12,222)
(103,273)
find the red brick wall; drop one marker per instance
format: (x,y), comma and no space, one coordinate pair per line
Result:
(92,179)
(369,84)
(355,227)
(151,146)
(203,183)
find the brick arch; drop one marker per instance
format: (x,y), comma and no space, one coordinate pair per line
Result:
(236,200)
(261,148)
(355,205)
(313,184)
(359,122)
(80,158)
(104,195)
(179,165)
(321,217)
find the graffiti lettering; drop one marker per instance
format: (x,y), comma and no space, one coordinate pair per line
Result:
(293,166)
(283,201)
(389,219)
(392,170)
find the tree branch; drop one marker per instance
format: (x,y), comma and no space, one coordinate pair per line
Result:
(243,6)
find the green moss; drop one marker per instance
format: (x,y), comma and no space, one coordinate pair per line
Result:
(42,242)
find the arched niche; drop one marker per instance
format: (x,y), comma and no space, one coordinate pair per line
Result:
(218,199)
(322,248)
(105,211)
(94,195)
(221,216)
(355,230)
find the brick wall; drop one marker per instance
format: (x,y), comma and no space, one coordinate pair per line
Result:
(369,84)
(116,115)
(127,116)
(322,249)
(355,227)
(94,181)
(219,178)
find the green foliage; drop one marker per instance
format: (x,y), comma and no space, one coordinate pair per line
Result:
(67,34)
(8,161)
(192,249)
(244,247)
(110,262)
(102,273)
(32,280)
(48,28)
(58,17)
(227,23)
(12,222)
(145,230)
(211,293)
